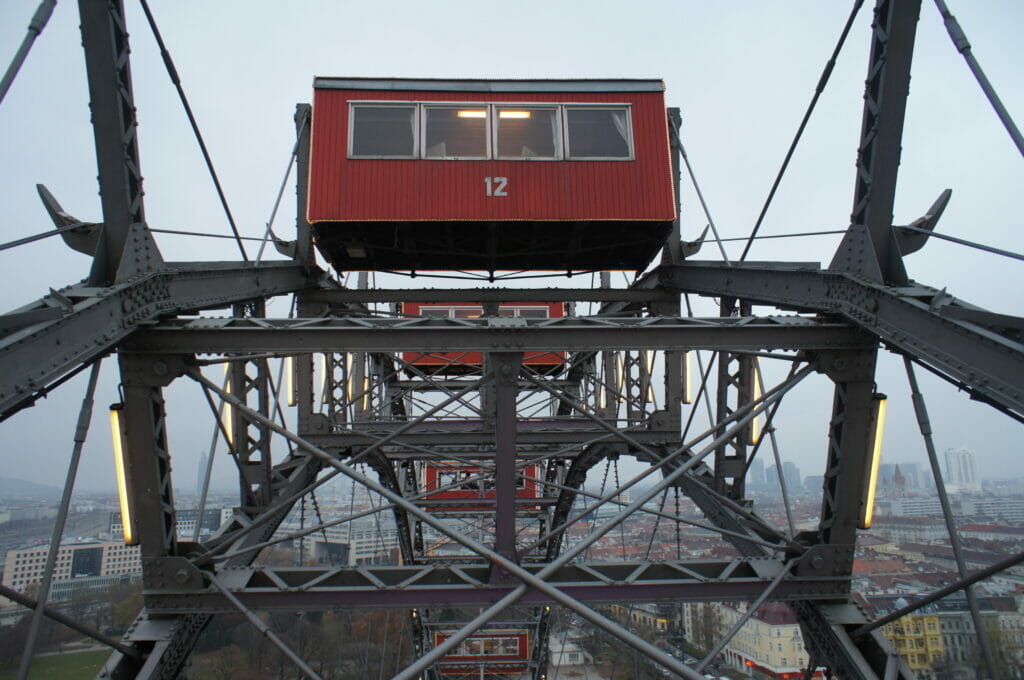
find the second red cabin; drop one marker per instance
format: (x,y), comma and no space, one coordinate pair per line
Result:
(460,363)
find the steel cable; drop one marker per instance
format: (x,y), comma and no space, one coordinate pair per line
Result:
(35,27)
(173,73)
(963,46)
(822,81)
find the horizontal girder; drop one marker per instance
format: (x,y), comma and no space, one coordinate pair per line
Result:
(481,295)
(322,588)
(336,334)
(79,323)
(969,346)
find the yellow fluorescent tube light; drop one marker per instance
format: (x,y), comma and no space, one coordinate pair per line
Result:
(473,113)
(875,456)
(687,384)
(120,470)
(289,371)
(324,396)
(755,423)
(514,114)
(227,419)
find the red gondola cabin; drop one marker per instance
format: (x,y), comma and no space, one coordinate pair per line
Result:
(493,652)
(460,363)
(489,175)
(477,495)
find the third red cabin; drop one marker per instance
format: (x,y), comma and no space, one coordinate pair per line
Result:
(459,494)
(490,174)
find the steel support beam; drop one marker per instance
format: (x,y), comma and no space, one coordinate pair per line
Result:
(505,379)
(92,321)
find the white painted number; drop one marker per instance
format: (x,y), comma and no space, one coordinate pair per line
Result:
(496,186)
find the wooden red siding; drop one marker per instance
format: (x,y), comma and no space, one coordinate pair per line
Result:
(411,190)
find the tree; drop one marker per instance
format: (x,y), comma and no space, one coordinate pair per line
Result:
(706,626)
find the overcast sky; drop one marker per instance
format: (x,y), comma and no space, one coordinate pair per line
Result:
(742,73)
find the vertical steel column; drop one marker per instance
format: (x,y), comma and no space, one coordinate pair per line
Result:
(672,253)
(250,441)
(303,232)
(505,368)
(735,379)
(608,399)
(147,460)
(358,384)
(869,247)
(634,386)
(849,443)
(105,40)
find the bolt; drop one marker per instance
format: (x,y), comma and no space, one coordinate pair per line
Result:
(817,561)
(181,576)
(160,368)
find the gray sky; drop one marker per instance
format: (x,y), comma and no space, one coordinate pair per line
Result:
(742,73)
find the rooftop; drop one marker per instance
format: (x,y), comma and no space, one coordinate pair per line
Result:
(465,85)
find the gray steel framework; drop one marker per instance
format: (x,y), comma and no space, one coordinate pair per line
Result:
(379,409)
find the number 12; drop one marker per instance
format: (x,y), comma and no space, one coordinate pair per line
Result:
(496,186)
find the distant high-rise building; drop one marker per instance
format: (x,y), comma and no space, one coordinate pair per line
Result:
(755,475)
(961,474)
(910,472)
(794,482)
(201,474)
(912,476)
(791,474)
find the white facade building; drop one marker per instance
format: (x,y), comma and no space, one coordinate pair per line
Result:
(961,474)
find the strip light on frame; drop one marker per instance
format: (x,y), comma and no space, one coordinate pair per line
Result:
(756,390)
(878,404)
(117,434)
(687,396)
(289,371)
(227,419)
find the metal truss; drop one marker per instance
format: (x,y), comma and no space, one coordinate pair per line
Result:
(89,321)
(361,401)
(469,585)
(969,346)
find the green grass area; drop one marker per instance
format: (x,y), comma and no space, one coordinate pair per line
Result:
(69,666)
